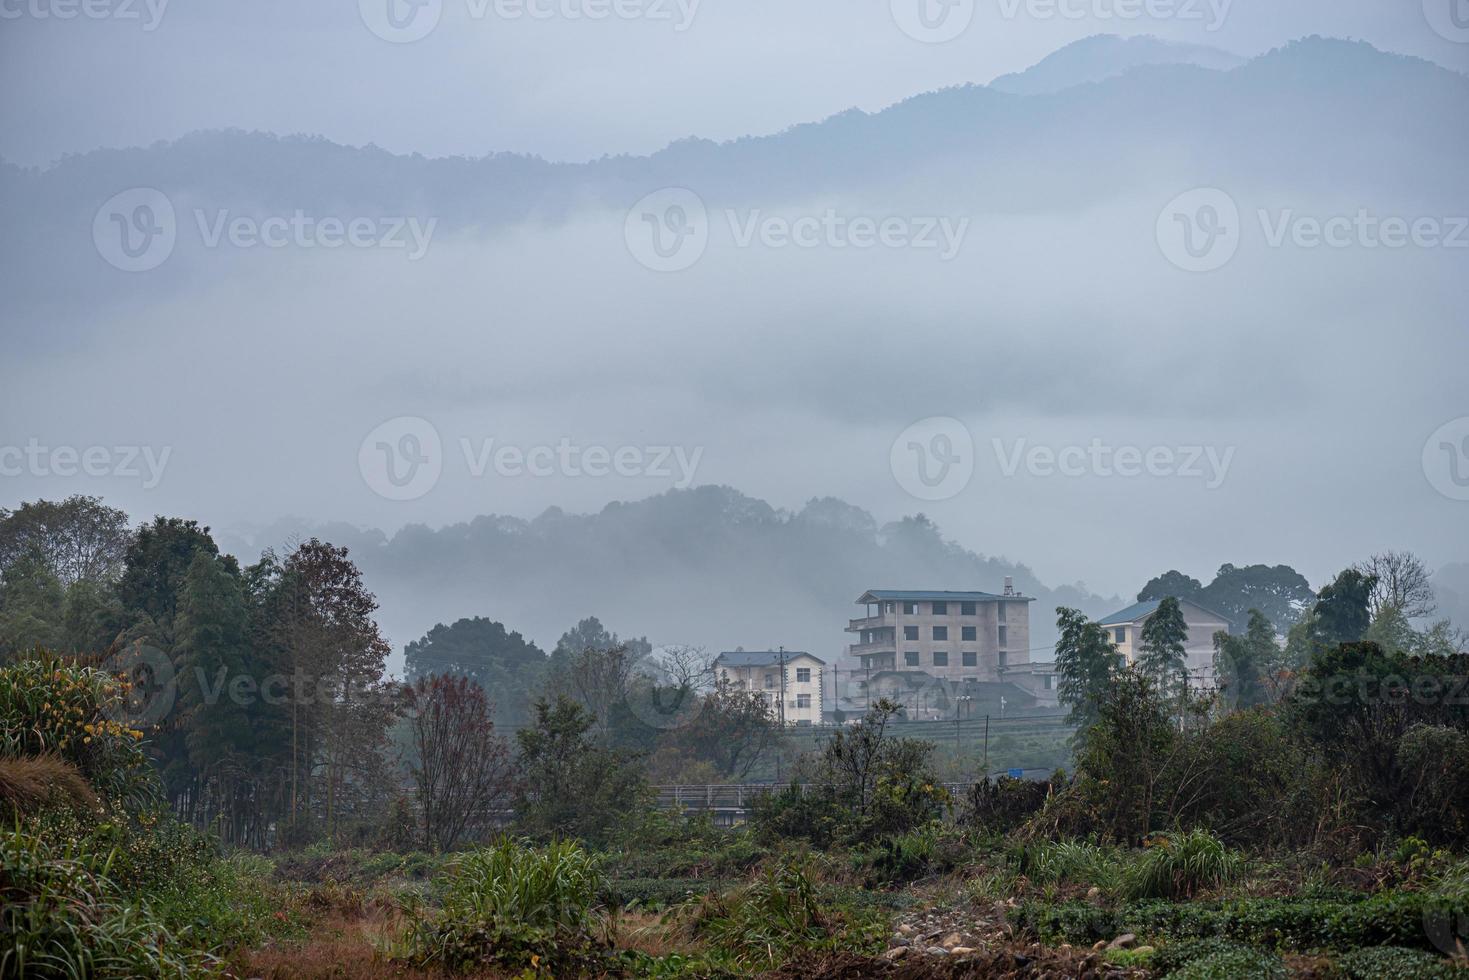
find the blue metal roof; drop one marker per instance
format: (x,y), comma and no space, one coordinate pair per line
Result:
(1142,610)
(761,658)
(898,595)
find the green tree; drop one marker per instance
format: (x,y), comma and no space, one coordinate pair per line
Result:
(31,607)
(80,539)
(1086,661)
(571,784)
(1163,647)
(502,663)
(1248,666)
(156,561)
(1343,609)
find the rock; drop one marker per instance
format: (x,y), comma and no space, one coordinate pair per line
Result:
(1093,893)
(901,941)
(951,940)
(936,951)
(906,929)
(896,953)
(1125,941)
(962,950)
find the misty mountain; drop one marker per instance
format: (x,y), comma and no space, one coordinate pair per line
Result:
(1288,120)
(1104,56)
(708,566)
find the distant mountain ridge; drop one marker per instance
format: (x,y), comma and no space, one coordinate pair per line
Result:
(1104,56)
(708,566)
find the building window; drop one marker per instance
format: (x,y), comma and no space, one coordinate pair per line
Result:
(803,700)
(910,632)
(910,609)
(866,661)
(971,659)
(1003,636)
(971,680)
(940,658)
(1120,634)
(969,633)
(803,675)
(910,658)
(769,681)
(1001,610)
(1050,682)
(1004,659)
(889,606)
(966,609)
(940,632)
(940,608)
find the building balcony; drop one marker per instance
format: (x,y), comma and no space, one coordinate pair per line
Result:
(871,623)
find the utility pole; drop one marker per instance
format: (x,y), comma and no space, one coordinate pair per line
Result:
(986,748)
(782,688)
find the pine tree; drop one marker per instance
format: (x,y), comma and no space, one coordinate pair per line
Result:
(1164,646)
(1086,661)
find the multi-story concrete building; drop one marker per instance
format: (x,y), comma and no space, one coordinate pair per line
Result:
(955,636)
(1125,628)
(792,680)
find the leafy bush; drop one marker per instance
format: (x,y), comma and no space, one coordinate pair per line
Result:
(1002,805)
(1181,867)
(759,924)
(1181,952)
(1396,963)
(1241,963)
(513,904)
(50,707)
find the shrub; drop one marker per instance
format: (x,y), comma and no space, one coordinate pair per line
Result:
(1063,861)
(1241,963)
(1002,805)
(31,782)
(1396,963)
(513,904)
(758,924)
(1181,867)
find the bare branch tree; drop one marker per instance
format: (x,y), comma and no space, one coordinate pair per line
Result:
(1402,584)
(463,769)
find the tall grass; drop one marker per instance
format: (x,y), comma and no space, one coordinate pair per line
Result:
(512,903)
(1077,862)
(1181,866)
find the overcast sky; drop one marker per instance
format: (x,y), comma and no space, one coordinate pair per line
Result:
(489,78)
(1316,380)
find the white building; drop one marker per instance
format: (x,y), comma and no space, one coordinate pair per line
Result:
(1125,627)
(790,679)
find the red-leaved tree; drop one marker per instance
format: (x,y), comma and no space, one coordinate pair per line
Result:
(463,769)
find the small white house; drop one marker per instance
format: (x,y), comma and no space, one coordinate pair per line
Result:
(790,679)
(1125,627)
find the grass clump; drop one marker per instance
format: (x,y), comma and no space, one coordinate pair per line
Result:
(1077,862)
(516,905)
(1181,866)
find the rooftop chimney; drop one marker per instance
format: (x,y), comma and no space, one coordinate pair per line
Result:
(1009,585)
